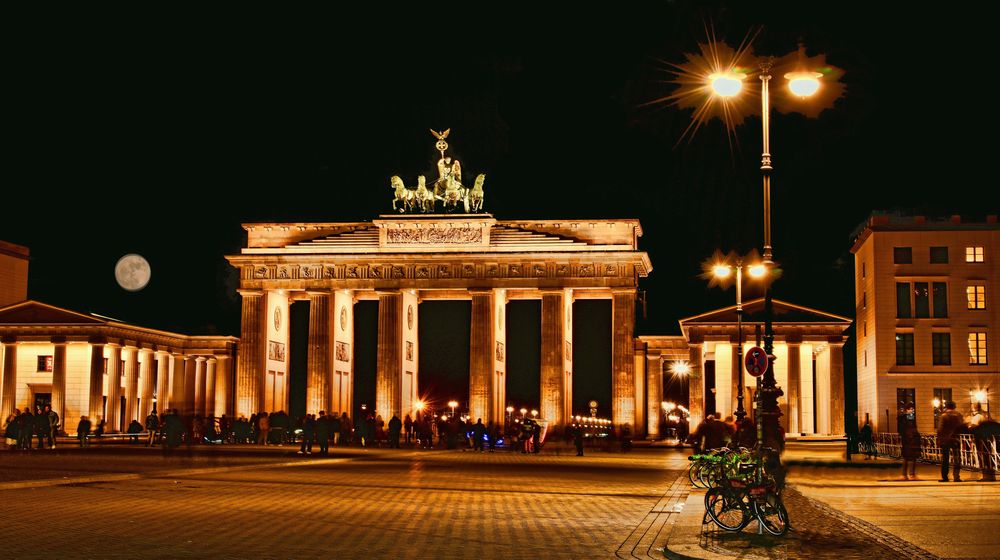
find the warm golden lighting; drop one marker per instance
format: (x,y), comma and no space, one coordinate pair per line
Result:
(524,411)
(936,402)
(510,409)
(453,404)
(722,270)
(668,406)
(419,405)
(979,396)
(757,271)
(680,368)
(727,84)
(534,413)
(803,84)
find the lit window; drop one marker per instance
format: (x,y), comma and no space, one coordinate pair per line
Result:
(977,348)
(45,363)
(976,296)
(974,254)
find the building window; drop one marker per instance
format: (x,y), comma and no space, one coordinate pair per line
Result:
(866,358)
(939,255)
(904,349)
(864,300)
(941,397)
(917,302)
(976,296)
(974,254)
(940,297)
(941,345)
(44,363)
(903,300)
(921,300)
(862,270)
(977,348)
(902,255)
(864,328)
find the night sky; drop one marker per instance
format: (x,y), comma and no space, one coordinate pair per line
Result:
(162,136)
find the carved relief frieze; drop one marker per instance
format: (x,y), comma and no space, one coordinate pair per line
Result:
(308,272)
(610,270)
(562,270)
(538,270)
(375,272)
(492,271)
(397,272)
(352,272)
(514,271)
(450,235)
(444,271)
(468,271)
(284,273)
(586,270)
(260,272)
(329,272)
(423,272)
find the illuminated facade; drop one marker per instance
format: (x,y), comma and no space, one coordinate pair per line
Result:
(80,363)
(928,329)
(809,366)
(13,273)
(402,260)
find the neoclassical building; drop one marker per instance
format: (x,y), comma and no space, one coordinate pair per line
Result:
(403,260)
(89,365)
(809,365)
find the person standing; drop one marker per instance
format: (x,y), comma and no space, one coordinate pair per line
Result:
(53,425)
(578,440)
(152,426)
(910,439)
(867,441)
(263,428)
(323,432)
(987,432)
(949,426)
(408,428)
(478,430)
(83,430)
(395,426)
(308,432)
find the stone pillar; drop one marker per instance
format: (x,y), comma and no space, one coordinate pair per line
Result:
(499,357)
(194,385)
(318,374)
(553,373)
(146,374)
(737,371)
(177,368)
(112,411)
(131,386)
(59,382)
(623,409)
(162,381)
(9,377)
(481,356)
(224,402)
(388,378)
(210,375)
(249,364)
(792,390)
(837,388)
(96,401)
(342,394)
(654,394)
(409,350)
(696,385)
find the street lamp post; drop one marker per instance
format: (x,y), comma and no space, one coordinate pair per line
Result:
(723,271)
(453,404)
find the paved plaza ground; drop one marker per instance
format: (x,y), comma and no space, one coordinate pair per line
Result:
(251,502)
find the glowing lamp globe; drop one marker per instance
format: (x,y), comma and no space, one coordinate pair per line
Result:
(803,84)
(726,84)
(722,271)
(758,270)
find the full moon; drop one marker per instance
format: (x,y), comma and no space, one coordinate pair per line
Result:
(132,272)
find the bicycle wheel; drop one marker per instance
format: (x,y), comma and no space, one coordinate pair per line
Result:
(771,514)
(693,474)
(727,509)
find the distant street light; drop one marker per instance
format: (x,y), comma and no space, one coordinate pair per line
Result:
(523,412)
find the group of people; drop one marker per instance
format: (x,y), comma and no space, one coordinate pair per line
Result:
(20,427)
(713,433)
(951,424)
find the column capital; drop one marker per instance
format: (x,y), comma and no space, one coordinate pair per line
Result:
(212,360)
(317,293)
(9,339)
(58,340)
(245,292)
(623,291)
(200,359)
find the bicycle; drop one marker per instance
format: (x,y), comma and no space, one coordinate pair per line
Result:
(750,493)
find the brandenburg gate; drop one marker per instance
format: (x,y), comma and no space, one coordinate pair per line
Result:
(402,260)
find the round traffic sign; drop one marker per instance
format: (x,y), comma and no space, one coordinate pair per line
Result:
(756,361)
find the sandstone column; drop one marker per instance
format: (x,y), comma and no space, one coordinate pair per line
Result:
(177,368)
(343,353)
(190,384)
(9,377)
(388,378)
(224,402)
(147,374)
(837,388)
(499,352)
(318,372)
(654,395)
(210,375)
(696,385)
(251,354)
(199,385)
(553,374)
(112,411)
(481,356)
(409,351)
(59,382)
(623,409)
(131,386)
(792,391)
(96,404)
(162,381)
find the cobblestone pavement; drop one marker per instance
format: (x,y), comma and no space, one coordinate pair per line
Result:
(358,504)
(817,532)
